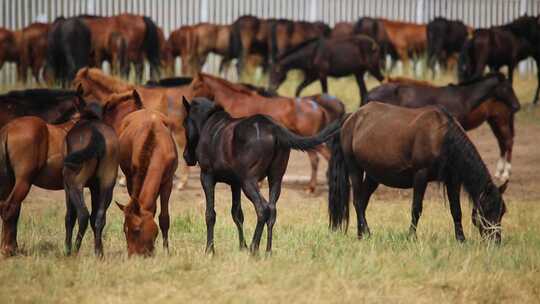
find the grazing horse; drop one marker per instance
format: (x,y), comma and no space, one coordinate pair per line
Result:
(287,34)
(33,50)
(408,148)
(504,45)
(320,58)
(69,45)
(342,29)
(97,85)
(304,116)
(193,44)
(90,160)
(490,98)
(445,38)
(249,35)
(240,153)
(148,159)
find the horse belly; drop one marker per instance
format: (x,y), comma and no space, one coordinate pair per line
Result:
(50,177)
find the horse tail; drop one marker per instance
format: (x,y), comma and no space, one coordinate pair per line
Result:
(288,139)
(338,184)
(151,43)
(235,41)
(273,41)
(464,60)
(144,162)
(94,149)
(6,171)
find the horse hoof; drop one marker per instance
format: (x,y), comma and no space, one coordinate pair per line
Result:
(310,190)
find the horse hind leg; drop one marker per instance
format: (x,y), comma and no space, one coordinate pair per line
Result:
(76,199)
(9,211)
(101,200)
(419,188)
(164,218)
(363,188)
(314,161)
(251,190)
(453,189)
(238,215)
(69,222)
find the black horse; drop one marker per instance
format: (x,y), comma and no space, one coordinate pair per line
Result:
(338,57)
(500,46)
(69,47)
(241,152)
(444,39)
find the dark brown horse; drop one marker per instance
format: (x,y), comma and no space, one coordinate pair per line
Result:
(304,116)
(374,28)
(342,29)
(320,58)
(490,98)
(240,153)
(249,35)
(445,38)
(32,50)
(408,148)
(148,159)
(8,47)
(90,160)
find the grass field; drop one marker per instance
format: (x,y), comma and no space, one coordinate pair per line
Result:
(309,264)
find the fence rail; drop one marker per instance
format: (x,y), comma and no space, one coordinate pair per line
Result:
(171,14)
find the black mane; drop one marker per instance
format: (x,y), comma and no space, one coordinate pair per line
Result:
(170,82)
(298,47)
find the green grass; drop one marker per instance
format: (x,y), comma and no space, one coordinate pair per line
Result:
(309,264)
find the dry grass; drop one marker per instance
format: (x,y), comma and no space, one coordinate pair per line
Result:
(309,264)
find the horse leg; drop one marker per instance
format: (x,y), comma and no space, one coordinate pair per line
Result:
(363,188)
(180,138)
(419,187)
(307,81)
(208,184)
(70,218)
(314,160)
(237,214)
(139,69)
(535,100)
(164,218)
(10,210)
(98,218)
(251,190)
(76,199)
(501,163)
(453,189)
(324,83)
(275,177)
(362,87)
(505,138)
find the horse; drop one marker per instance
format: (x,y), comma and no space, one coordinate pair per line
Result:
(374,28)
(241,152)
(90,160)
(286,34)
(320,58)
(8,47)
(193,43)
(409,39)
(148,159)
(445,38)
(489,98)
(69,46)
(408,148)
(98,85)
(504,45)
(304,116)
(249,35)
(165,54)
(342,29)
(42,165)
(33,49)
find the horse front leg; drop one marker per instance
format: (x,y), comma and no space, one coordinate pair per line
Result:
(535,100)
(208,183)
(362,87)
(419,186)
(502,129)
(164,218)
(453,190)
(251,190)
(237,214)
(308,79)
(314,161)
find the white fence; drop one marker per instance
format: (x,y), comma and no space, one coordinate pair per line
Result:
(171,14)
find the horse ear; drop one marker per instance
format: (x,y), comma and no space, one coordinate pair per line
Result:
(503,187)
(187,106)
(122,207)
(138,100)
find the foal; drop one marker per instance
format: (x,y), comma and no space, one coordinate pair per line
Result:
(241,152)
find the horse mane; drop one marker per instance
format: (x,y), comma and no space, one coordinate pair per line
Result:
(297,48)
(170,82)
(232,86)
(144,161)
(89,16)
(259,90)
(408,81)
(110,83)
(500,76)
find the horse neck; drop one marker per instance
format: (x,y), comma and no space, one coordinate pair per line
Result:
(225,96)
(299,59)
(464,162)
(477,93)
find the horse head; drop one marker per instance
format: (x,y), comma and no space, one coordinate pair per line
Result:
(198,112)
(505,92)
(140,228)
(489,211)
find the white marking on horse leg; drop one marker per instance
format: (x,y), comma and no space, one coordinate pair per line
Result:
(507,170)
(500,167)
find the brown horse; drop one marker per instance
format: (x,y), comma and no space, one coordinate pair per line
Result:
(409,39)
(249,35)
(490,98)
(98,85)
(342,29)
(90,160)
(408,148)
(193,44)
(33,50)
(304,116)
(148,159)
(8,47)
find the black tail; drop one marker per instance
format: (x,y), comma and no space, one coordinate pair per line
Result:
(235,41)
(464,61)
(273,41)
(151,44)
(94,149)
(287,139)
(339,186)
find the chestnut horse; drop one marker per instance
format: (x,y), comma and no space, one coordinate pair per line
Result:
(490,98)
(148,159)
(98,85)
(8,47)
(408,148)
(304,116)
(241,152)
(320,58)
(193,43)
(409,39)
(249,35)
(33,50)
(90,160)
